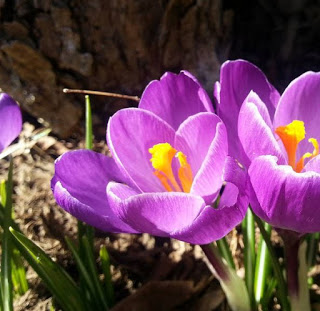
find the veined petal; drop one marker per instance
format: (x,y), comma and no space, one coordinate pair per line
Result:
(175,97)
(255,129)
(237,79)
(204,138)
(131,132)
(10,120)
(313,165)
(195,136)
(155,213)
(284,198)
(79,187)
(213,224)
(301,101)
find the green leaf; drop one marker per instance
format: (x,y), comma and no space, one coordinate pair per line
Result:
(89,274)
(283,294)
(58,281)
(89,140)
(6,276)
(19,278)
(225,251)
(263,267)
(249,254)
(267,295)
(91,264)
(105,263)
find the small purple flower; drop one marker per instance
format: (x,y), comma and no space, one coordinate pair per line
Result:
(280,140)
(169,162)
(10,120)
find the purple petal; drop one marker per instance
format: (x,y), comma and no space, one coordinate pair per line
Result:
(155,213)
(284,198)
(213,224)
(175,97)
(236,174)
(313,165)
(237,79)
(79,187)
(10,120)
(300,101)
(131,132)
(203,138)
(255,129)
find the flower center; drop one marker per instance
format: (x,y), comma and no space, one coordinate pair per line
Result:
(161,159)
(291,135)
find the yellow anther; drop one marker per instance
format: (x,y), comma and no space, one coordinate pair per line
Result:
(315,144)
(291,135)
(185,172)
(162,156)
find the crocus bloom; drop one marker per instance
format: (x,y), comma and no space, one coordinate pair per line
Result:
(169,162)
(280,140)
(10,120)
(237,79)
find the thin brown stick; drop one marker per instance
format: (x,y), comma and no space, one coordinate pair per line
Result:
(135,98)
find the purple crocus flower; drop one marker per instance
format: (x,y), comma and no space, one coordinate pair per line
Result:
(169,163)
(279,140)
(237,79)
(10,120)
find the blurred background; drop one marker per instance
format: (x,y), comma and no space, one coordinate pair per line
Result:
(119,46)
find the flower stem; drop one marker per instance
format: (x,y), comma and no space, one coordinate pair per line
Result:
(232,285)
(297,268)
(275,264)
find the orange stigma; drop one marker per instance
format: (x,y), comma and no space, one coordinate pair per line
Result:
(291,135)
(162,156)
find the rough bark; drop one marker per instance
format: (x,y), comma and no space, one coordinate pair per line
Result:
(120,45)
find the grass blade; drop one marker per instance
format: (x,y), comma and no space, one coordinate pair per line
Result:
(87,282)
(262,267)
(313,245)
(89,135)
(105,263)
(271,286)
(19,279)
(93,272)
(60,284)
(249,254)
(225,251)
(6,276)
(283,294)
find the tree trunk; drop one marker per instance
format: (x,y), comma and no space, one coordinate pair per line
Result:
(119,45)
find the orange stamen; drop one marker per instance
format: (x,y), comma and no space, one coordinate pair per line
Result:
(291,135)
(185,172)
